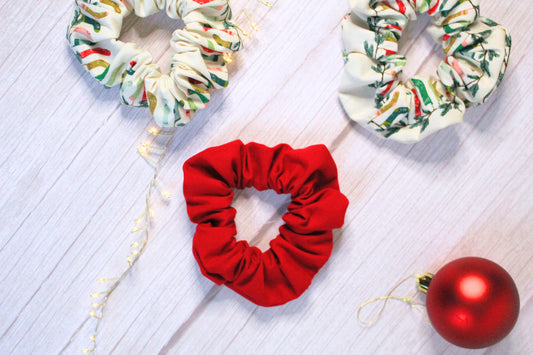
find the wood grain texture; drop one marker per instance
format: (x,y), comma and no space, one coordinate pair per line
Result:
(72,183)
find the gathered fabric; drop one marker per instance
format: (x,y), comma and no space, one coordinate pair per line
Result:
(371,91)
(197,65)
(304,244)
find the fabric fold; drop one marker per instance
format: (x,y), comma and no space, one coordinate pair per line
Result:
(371,92)
(197,65)
(304,243)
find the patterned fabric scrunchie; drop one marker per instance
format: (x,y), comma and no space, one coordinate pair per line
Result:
(304,243)
(371,92)
(197,64)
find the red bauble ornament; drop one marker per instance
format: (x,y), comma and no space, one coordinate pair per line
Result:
(472,302)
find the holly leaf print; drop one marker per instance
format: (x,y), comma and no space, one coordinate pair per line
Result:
(485,67)
(369,49)
(391,131)
(489,22)
(445,108)
(474,89)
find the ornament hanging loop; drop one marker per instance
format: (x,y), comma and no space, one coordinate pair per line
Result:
(421,282)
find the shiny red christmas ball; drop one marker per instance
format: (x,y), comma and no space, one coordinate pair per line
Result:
(472,302)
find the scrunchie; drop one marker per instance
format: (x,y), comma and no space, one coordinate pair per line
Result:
(304,242)
(371,92)
(197,64)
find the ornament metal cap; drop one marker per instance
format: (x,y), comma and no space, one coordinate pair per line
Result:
(423,281)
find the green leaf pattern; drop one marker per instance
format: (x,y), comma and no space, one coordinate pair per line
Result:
(197,65)
(477,52)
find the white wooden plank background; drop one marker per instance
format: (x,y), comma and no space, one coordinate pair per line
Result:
(71,184)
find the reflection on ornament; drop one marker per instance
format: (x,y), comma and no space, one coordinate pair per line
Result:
(473,287)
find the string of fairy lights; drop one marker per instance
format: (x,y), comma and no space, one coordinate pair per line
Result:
(153,151)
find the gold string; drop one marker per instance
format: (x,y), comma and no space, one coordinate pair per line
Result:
(266,3)
(409,300)
(254,25)
(142,223)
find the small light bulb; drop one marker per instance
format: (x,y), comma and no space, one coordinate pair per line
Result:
(137,229)
(142,151)
(153,130)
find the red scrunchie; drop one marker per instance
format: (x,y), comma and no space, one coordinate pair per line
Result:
(304,243)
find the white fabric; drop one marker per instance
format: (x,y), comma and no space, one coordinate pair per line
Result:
(196,67)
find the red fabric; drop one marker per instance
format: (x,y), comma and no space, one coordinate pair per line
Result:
(304,243)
